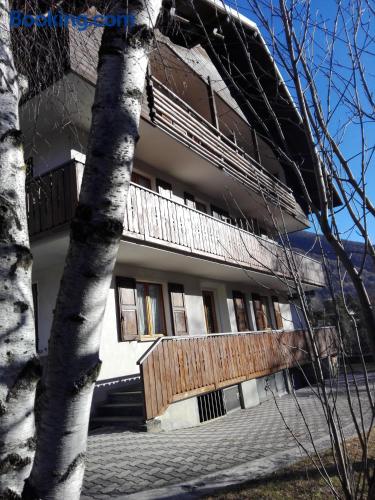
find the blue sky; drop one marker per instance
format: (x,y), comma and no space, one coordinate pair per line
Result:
(325,10)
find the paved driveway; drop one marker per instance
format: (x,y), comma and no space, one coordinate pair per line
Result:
(123,462)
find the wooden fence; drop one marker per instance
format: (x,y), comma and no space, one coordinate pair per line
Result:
(176,368)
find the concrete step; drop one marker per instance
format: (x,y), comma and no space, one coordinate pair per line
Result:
(125,397)
(120,409)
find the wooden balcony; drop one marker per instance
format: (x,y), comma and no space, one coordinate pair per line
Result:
(176,368)
(163,222)
(174,116)
(158,221)
(51,199)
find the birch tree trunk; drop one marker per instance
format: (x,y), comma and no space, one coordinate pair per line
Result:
(19,369)
(73,360)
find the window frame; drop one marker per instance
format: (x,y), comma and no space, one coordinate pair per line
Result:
(211,294)
(188,197)
(199,205)
(223,214)
(139,174)
(160,285)
(120,283)
(266,310)
(166,186)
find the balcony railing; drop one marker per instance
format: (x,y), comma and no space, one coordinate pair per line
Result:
(51,199)
(156,220)
(173,115)
(176,368)
(159,220)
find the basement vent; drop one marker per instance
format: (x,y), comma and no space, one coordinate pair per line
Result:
(211,406)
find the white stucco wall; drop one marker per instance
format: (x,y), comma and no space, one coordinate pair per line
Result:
(120,358)
(286,313)
(64,140)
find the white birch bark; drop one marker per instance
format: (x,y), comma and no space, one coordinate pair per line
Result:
(18,365)
(73,360)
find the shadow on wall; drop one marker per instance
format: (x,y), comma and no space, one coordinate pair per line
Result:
(303,376)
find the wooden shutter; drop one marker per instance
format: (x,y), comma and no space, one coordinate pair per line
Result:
(278,315)
(259,312)
(177,298)
(242,319)
(127,307)
(164,188)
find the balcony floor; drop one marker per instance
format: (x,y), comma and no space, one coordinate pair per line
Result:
(51,251)
(137,254)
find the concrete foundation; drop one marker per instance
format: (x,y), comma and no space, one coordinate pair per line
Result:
(185,414)
(249,393)
(266,387)
(271,386)
(281,385)
(180,415)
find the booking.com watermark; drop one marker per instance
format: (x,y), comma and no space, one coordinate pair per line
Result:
(81,22)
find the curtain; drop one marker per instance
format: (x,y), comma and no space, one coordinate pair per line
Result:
(142,309)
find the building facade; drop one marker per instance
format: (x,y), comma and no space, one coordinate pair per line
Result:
(198,318)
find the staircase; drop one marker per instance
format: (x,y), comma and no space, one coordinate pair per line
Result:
(123,407)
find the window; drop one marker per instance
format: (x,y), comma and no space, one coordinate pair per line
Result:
(262,312)
(220,214)
(141,309)
(201,207)
(209,311)
(164,188)
(189,200)
(141,180)
(242,319)
(150,309)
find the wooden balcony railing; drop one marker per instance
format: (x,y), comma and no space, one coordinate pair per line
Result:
(51,199)
(156,220)
(176,368)
(178,119)
(159,220)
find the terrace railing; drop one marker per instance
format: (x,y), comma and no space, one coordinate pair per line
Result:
(176,368)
